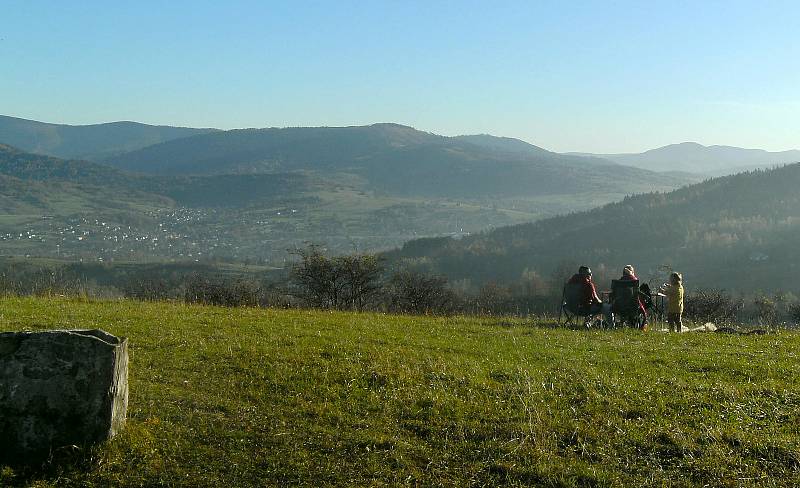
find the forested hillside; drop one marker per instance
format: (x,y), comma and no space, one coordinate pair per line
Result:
(397,160)
(73,209)
(252,194)
(86,141)
(733,232)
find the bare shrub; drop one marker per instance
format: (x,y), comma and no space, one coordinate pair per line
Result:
(711,306)
(766,309)
(416,293)
(344,283)
(148,289)
(209,290)
(277,295)
(494,299)
(41,282)
(794,312)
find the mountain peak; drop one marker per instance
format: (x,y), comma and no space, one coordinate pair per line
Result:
(391,125)
(681,147)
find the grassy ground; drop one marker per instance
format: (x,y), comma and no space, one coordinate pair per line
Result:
(251,397)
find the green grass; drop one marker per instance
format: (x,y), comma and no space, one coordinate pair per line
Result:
(253,397)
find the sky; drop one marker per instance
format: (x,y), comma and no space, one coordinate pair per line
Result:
(602,77)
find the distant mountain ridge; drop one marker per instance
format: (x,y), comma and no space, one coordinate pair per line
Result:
(133,145)
(395,159)
(519,147)
(92,142)
(696,158)
(395,184)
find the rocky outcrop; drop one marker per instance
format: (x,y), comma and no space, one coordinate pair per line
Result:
(60,388)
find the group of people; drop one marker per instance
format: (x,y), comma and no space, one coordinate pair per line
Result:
(591,304)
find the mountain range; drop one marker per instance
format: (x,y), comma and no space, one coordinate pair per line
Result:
(394,159)
(173,193)
(692,157)
(81,209)
(92,142)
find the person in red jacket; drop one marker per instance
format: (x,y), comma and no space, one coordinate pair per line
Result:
(589,298)
(629,274)
(590,302)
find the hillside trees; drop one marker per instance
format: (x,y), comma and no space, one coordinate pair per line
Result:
(343,283)
(360,282)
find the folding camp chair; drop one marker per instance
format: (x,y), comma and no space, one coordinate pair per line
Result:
(625,303)
(571,307)
(654,304)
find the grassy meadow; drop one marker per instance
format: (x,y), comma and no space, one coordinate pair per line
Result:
(260,397)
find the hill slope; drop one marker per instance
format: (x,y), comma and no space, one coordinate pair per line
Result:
(731,232)
(397,160)
(711,160)
(77,209)
(521,148)
(255,397)
(71,208)
(86,141)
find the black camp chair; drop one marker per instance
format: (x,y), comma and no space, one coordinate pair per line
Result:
(625,303)
(571,307)
(654,306)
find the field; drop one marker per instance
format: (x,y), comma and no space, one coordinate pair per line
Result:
(254,397)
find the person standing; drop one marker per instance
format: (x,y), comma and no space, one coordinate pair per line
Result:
(674,292)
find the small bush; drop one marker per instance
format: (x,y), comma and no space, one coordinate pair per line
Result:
(416,293)
(41,282)
(794,312)
(148,289)
(715,306)
(766,308)
(215,291)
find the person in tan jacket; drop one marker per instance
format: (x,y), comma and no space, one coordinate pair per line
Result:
(674,292)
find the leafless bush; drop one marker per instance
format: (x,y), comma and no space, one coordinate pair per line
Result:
(711,306)
(417,293)
(766,309)
(42,282)
(794,312)
(149,289)
(277,295)
(343,283)
(216,291)
(494,299)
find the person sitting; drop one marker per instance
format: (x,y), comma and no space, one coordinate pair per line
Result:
(629,274)
(590,302)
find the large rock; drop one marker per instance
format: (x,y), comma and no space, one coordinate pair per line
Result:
(60,388)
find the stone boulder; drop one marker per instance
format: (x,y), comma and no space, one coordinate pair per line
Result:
(60,388)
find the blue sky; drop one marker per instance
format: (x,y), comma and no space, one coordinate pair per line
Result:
(568,76)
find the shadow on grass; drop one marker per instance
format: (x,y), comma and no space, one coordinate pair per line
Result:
(24,471)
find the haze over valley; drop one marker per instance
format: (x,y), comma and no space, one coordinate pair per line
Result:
(155,193)
(254,193)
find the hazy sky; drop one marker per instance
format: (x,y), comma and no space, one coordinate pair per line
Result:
(568,76)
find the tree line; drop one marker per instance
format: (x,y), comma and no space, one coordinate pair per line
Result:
(367,282)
